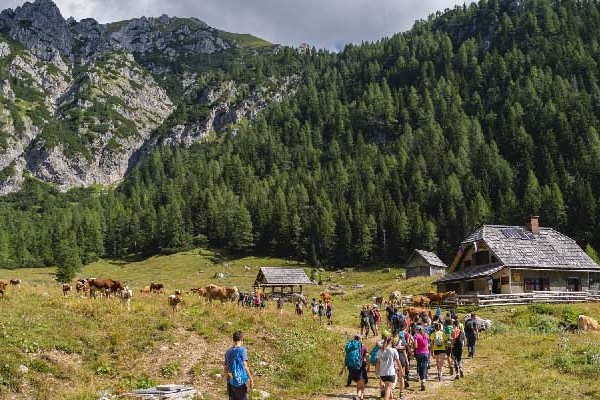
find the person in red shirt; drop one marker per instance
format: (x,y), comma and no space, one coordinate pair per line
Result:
(422,354)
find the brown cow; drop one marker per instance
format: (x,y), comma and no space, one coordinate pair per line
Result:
(585,323)
(66,288)
(15,282)
(175,300)
(157,287)
(104,285)
(421,301)
(221,293)
(326,296)
(145,290)
(3,286)
(415,312)
(83,285)
(439,298)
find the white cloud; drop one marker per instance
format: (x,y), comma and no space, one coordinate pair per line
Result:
(322,23)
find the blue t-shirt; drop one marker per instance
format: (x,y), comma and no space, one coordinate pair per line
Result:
(232,353)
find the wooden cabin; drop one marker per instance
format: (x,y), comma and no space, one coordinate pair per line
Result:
(424,263)
(518,259)
(285,280)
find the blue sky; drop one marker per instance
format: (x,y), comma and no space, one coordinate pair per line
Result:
(322,23)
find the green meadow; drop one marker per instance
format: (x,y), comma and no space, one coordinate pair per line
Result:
(70,347)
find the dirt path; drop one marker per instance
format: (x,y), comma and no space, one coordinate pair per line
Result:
(340,391)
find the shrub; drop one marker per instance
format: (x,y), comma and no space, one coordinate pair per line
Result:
(541,323)
(170,370)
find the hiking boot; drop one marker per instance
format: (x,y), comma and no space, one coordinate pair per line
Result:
(457,377)
(422,386)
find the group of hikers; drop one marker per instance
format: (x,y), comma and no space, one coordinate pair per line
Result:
(424,339)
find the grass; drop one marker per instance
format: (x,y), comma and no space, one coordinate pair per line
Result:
(245,40)
(77,348)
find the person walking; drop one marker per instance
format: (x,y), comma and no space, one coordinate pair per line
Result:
(438,348)
(422,354)
(448,332)
(471,334)
(388,368)
(457,348)
(371,320)
(321,311)
(404,346)
(280,302)
(314,307)
(236,371)
(376,318)
(364,321)
(329,312)
(355,361)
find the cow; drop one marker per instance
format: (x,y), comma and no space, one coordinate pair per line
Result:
(326,296)
(415,312)
(126,295)
(175,300)
(104,285)
(145,290)
(82,285)
(157,287)
(421,301)
(585,323)
(3,286)
(380,301)
(66,288)
(15,282)
(245,299)
(221,293)
(396,298)
(299,297)
(438,298)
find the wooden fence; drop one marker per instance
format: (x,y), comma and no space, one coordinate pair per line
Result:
(487,300)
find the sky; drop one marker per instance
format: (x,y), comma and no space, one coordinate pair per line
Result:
(325,24)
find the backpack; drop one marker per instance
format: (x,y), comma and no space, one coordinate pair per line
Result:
(470,326)
(402,338)
(439,338)
(373,355)
(353,359)
(239,376)
(448,331)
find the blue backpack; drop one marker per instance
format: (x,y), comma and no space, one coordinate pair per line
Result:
(238,371)
(353,359)
(373,355)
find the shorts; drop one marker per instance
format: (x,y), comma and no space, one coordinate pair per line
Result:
(388,378)
(448,350)
(437,352)
(358,374)
(237,393)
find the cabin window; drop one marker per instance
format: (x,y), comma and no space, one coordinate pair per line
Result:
(482,258)
(573,285)
(537,284)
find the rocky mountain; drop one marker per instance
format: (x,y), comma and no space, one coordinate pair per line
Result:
(82,102)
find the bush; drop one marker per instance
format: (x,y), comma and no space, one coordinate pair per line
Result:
(541,323)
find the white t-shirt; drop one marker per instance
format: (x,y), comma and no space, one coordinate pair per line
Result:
(387,361)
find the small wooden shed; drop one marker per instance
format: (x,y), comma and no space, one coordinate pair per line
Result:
(424,263)
(282,279)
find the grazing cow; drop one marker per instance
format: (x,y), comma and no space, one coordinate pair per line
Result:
(380,301)
(438,298)
(421,301)
(415,312)
(157,287)
(145,290)
(326,296)
(396,298)
(126,294)
(585,323)
(66,288)
(3,287)
(104,285)
(175,300)
(15,282)
(221,293)
(83,285)
(297,297)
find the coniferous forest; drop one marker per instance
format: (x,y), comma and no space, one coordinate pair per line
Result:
(485,113)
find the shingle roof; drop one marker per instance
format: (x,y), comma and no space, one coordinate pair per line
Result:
(480,271)
(430,257)
(515,246)
(281,276)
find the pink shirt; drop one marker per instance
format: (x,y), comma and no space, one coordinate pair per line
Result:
(422,344)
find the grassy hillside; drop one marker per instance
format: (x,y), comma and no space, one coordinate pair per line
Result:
(77,348)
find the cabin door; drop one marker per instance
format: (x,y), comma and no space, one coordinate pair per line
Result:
(573,285)
(496,289)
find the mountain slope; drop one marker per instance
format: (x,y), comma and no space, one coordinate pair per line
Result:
(82,101)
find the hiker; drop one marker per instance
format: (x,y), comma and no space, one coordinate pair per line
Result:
(471,334)
(320,311)
(329,312)
(404,345)
(373,355)
(438,348)
(387,364)
(389,310)
(422,354)
(376,318)
(314,306)
(299,308)
(448,332)
(371,320)
(238,376)
(364,321)
(355,361)
(457,348)
(280,304)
